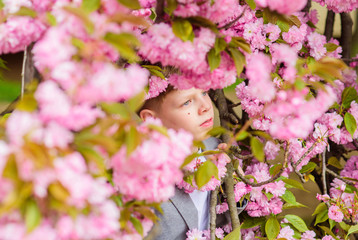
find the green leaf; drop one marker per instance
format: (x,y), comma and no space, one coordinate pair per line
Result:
(132,4)
(124,43)
(327,230)
(161,129)
(294,183)
(251,222)
(297,222)
(257,149)
(272,228)
(32,215)
(137,225)
(91,5)
(309,167)
(241,136)
(1,4)
(28,12)
(320,208)
(10,170)
(300,84)
(275,169)
(234,235)
(350,189)
(241,43)
(205,172)
(268,195)
(116,108)
(27,103)
(251,4)
(263,135)
(321,217)
(350,123)
(182,29)
(333,161)
(203,22)
(296,205)
(136,102)
(51,19)
(351,230)
(82,15)
(289,197)
(132,140)
(349,94)
(331,47)
(171,6)
(9,90)
(283,25)
(213,59)
(238,58)
(220,45)
(217,131)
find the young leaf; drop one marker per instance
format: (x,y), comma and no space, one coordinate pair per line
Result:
(289,197)
(349,94)
(238,58)
(350,123)
(32,215)
(321,217)
(132,4)
(171,6)
(137,225)
(233,235)
(91,5)
(333,161)
(257,149)
(205,172)
(297,222)
(294,183)
(275,169)
(213,59)
(241,136)
(308,168)
(220,45)
(251,222)
(251,4)
(182,29)
(272,228)
(351,230)
(331,47)
(124,43)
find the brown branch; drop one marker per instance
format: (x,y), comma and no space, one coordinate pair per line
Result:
(339,177)
(213,202)
(229,190)
(350,60)
(304,155)
(235,150)
(328,29)
(346,34)
(240,173)
(307,8)
(159,10)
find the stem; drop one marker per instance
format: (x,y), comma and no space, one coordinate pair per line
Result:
(324,170)
(307,8)
(228,25)
(23,73)
(213,202)
(339,177)
(328,30)
(346,35)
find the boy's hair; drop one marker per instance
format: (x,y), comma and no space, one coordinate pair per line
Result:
(156,102)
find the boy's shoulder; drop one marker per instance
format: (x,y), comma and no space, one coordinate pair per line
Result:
(211,143)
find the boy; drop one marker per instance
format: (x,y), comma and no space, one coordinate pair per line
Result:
(193,111)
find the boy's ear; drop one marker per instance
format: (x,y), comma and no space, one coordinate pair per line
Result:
(145,113)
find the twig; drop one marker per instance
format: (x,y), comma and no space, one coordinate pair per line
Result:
(305,155)
(339,177)
(213,202)
(240,173)
(328,30)
(306,9)
(324,170)
(229,24)
(350,60)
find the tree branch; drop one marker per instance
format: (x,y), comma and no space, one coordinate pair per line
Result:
(339,177)
(159,10)
(229,24)
(346,35)
(324,170)
(328,29)
(213,202)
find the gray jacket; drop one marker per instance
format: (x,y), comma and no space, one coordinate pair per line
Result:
(180,214)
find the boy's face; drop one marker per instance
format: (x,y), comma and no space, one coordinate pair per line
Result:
(189,109)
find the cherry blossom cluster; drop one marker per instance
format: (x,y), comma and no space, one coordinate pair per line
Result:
(339,6)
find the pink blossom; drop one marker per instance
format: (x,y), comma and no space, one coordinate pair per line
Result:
(195,234)
(327,237)
(339,6)
(271,150)
(308,235)
(240,190)
(156,86)
(221,208)
(282,6)
(258,71)
(316,43)
(286,233)
(335,213)
(151,171)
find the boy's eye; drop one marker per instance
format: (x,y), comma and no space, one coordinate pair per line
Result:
(205,93)
(187,103)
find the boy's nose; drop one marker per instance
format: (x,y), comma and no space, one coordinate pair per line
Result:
(205,106)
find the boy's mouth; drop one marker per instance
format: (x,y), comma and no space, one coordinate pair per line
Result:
(207,123)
